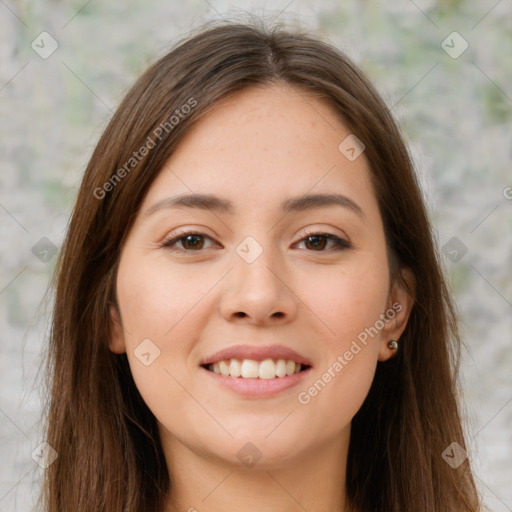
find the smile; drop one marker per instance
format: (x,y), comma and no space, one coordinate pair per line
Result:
(251,369)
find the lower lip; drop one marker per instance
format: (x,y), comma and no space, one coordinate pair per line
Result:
(258,388)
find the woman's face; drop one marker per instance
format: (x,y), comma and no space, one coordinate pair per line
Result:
(283,261)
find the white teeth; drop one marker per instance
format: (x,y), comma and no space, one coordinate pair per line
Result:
(235,368)
(281,368)
(267,369)
(250,369)
(224,368)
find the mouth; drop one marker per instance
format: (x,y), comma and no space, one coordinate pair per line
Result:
(256,371)
(266,369)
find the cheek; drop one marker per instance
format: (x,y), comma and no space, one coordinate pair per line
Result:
(163,316)
(331,401)
(166,308)
(350,300)
(157,301)
(349,306)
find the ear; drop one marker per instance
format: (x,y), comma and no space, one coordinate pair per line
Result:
(400,303)
(116,343)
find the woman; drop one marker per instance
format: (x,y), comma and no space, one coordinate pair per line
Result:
(250,312)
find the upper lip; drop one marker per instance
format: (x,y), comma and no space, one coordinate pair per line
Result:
(257,353)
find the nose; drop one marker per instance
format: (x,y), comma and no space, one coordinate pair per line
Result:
(259,293)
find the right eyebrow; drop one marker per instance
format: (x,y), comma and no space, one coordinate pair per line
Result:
(202,201)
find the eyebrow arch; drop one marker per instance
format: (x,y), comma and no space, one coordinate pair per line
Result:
(294,204)
(311,201)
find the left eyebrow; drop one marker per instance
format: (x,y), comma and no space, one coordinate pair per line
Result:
(294,204)
(311,201)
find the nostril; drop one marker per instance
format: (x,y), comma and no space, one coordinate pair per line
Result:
(240,314)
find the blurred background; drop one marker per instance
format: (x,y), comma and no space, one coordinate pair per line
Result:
(443,66)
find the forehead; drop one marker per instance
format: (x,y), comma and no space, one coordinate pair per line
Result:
(261,145)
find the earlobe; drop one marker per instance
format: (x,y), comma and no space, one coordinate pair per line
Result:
(116,342)
(388,349)
(401,303)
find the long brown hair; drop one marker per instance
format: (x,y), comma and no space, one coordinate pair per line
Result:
(109,453)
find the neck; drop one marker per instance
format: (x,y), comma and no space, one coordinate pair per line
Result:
(313,481)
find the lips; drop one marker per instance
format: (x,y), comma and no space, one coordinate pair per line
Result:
(256,353)
(256,362)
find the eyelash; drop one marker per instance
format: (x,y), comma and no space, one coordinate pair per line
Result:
(340,243)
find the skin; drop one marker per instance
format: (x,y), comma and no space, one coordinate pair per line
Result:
(258,148)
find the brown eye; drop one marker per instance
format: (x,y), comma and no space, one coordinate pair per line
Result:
(192,242)
(318,242)
(187,242)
